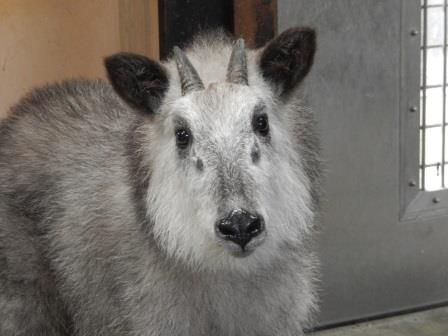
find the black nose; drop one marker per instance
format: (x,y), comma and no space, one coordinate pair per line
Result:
(240,227)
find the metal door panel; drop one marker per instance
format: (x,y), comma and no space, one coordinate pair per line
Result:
(372,263)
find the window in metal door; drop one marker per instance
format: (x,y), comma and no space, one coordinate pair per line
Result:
(433,127)
(424,123)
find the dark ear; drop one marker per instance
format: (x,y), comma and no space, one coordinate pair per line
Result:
(288,58)
(141,82)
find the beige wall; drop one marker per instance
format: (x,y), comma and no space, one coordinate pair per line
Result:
(43,41)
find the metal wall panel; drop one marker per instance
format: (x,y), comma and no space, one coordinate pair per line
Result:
(372,263)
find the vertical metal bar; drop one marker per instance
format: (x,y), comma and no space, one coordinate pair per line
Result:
(444,90)
(423,111)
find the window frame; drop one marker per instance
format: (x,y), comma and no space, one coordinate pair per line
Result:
(414,202)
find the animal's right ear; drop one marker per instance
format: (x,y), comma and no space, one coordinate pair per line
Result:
(141,82)
(286,60)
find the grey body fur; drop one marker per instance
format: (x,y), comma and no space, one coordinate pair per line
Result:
(77,252)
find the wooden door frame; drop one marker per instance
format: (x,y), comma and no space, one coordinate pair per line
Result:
(139,27)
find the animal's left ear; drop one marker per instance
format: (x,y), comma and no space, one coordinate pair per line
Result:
(141,82)
(287,59)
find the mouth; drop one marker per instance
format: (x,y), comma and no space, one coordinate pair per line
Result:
(241,252)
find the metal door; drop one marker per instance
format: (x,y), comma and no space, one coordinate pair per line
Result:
(376,258)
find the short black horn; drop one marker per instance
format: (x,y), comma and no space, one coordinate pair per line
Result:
(189,78)
(237,69)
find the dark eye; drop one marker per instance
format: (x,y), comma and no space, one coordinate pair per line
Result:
(183,137)
(261,125)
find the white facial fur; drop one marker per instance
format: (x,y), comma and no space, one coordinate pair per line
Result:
(182,199)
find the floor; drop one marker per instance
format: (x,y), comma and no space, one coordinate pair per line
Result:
(427,323)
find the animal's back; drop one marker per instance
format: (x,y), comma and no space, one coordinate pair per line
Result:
(63,150)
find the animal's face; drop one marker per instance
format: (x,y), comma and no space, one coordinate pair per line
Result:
(227,186)
(217,147)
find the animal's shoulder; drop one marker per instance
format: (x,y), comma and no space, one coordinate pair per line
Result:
(66,123)
(75,98)
(73,108)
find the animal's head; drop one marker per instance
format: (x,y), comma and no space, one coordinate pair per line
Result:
(228,179)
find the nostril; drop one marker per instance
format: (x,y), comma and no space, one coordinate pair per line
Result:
(227,230)
(254,228)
